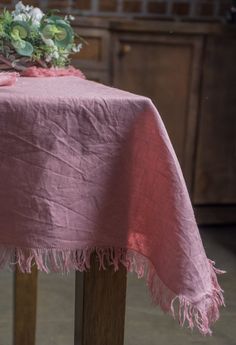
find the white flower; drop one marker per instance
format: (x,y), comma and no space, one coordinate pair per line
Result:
(36,15)
(77,48)
(55,55)
(48,42)
(69,17)
(25,13)
(48,58)
(21,17)
(21,8)
(52,55)
(28,8)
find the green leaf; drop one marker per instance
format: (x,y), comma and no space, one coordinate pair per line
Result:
(21,29)
(65,37)
(60,32)
(61,22)
(6,17)
(23,48)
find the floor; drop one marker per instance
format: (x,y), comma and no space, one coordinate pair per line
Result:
(145,324)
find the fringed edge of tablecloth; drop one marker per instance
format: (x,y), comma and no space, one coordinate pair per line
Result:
(201,314)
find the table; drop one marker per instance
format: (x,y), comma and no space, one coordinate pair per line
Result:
(89,180)
(98,296)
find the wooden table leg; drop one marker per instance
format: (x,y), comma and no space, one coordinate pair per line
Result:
(100,306)
(25,303)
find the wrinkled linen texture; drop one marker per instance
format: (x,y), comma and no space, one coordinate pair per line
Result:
(8,79)
(85,167)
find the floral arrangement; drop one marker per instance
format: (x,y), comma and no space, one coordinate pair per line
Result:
(29,37)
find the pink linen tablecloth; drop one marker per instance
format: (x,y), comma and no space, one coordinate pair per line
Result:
(85,167)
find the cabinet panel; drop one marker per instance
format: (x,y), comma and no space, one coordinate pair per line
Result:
(96,54)
(215,180)
(166,69)
(98,76)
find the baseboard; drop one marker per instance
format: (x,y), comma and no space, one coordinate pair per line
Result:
(215,214)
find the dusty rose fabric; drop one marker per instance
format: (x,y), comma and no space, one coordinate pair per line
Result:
(52,72)
(8,78)
(85,167)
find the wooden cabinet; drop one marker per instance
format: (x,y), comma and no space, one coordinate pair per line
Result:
(94,58)
(189,72)
(215,177)
(165,68)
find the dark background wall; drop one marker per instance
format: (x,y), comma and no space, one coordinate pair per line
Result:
(166,9)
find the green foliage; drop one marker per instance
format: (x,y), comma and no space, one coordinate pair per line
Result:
(20,29)
(23,48)
(48,38)
(6,17)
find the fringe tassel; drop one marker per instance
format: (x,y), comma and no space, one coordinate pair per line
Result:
(201,314)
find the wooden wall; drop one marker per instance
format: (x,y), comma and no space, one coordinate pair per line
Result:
(184,9)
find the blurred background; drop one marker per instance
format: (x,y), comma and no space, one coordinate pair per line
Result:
(182,55)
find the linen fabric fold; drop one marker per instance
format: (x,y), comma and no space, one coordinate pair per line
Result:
(85,167)
(8,78)
(52,72)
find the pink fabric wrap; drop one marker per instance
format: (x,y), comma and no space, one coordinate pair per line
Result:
(8,79)
(85,168)
(52,72)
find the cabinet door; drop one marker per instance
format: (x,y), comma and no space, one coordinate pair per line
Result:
(98,76)
(95,54)
(165,68)
(215,180)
